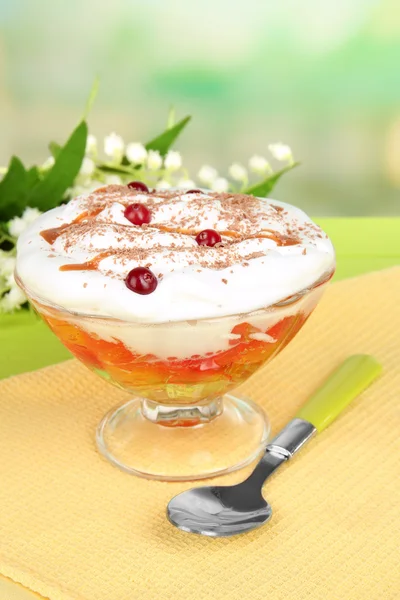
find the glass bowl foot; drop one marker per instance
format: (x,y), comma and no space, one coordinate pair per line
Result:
(142,446)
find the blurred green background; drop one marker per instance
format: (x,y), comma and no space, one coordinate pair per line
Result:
(321,76)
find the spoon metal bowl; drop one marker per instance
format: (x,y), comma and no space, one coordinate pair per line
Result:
(223,511)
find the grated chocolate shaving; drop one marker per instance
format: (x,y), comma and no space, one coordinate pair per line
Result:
(239,218)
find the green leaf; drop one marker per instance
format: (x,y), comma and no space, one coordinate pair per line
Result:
(32,176)
(125,161)
(117,169)
(6,240)
(54,149)
(263,188)
(163,142)
(49,192)
(13,190)
(171,118)
(92,97)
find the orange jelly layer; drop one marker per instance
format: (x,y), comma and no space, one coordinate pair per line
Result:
(225,369)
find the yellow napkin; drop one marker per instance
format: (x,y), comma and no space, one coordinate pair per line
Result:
(72,527)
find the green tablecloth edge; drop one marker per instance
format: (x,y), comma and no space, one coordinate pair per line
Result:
(362,245)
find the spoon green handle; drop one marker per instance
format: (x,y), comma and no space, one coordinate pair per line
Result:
(351,378)
(229,510)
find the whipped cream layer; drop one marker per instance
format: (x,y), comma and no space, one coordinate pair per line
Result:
(185,339)
(269,252)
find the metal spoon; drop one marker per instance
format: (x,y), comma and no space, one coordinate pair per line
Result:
(222,511)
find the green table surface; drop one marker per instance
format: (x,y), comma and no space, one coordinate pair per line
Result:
(362,245)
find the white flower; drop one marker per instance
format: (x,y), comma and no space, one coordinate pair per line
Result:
(94,185)
(76,190)
(13,299)
(14,296)
(220,185)
(186,184)
(10,281)
(114,146)
(18,224)
(30,214)
(48,163)
(281,152)
(87,167)
(7,264)
(238,172)
(207,174)
(163,185)
(84,189)
(113,180)
(173,161)
(154,160)
(136,153)
(259,165)
(91,145)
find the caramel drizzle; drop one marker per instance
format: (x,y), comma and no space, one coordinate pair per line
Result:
(51,235)
(279,239)
(90,265)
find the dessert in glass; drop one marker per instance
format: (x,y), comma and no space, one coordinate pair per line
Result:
(177,297)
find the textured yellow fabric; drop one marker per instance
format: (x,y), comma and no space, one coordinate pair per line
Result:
(72,527)
(9,590)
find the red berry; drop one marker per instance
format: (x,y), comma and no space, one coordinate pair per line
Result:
(208,237)
(141,280)
(193,192)
(137,214)
(138,185)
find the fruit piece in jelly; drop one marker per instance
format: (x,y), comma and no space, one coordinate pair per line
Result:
(114,353)
(281,328)
(76,340)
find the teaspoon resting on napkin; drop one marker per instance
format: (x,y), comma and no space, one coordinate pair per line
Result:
(222,511)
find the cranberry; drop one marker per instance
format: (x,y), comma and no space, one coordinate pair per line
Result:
(137,214)
(208,237)
(141,280)
(193,192)
(138,185)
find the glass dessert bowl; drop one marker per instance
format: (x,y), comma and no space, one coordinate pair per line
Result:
(183,422)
